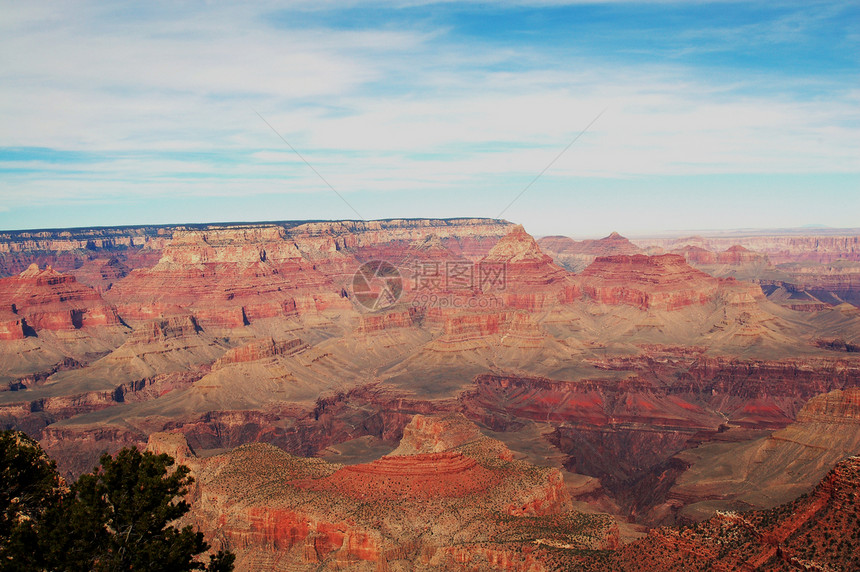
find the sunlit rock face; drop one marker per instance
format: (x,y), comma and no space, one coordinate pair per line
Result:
(664,282)
(49,300)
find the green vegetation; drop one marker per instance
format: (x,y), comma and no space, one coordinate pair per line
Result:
(117,518)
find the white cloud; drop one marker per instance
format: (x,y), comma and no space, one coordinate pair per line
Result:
(373,110)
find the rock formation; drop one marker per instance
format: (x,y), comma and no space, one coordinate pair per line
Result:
(663,282)
(517,271)
(415,510)
(48,300)
(575,256)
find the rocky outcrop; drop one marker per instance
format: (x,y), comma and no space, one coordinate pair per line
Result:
(803,273)
(260,349)
(420,476)
(466,237)
(101,273)
(518,272)
(163,329)
(227,278)
(834,407)
(12,326)
(436,434)
(737,255)
(236,244)
(664,282)
(370,323)
(401,510)
(576,255)
(48,300)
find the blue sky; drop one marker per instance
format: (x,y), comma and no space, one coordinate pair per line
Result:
(714,114)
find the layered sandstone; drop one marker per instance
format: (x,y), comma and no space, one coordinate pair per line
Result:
(664,282)
(735,255)
(12,326)
(470,238)
(807,273)
(227,278)
(519,273)
(370,323)
(420,476)
(260,349)
(48,300)
(815,246)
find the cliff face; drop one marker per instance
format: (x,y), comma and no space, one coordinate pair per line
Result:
(226,278)
(258,350)
(80,251)
(12,326)
(236,245)
(664,282)
(525,278)
(766,471)
(48,300)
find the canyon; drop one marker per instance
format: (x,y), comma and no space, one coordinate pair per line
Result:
(491,401)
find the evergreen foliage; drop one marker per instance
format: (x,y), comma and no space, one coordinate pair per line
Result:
(117,518)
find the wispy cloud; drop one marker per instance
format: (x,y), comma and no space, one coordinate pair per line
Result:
(158,101)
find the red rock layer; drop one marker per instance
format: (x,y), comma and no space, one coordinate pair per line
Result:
(696,255)
(737,255)
(589,402)
(474,326)
(524,277)
(227,278)
(11,326)
(237,244)
(163,329)
(378,322)
(101,273)
(260,349)
(420,476)
(48,300)
(734,256)
(832,407)
(462,236)
(283,529)
(663,282)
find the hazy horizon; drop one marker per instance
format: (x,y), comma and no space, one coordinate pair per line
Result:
(812,229)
